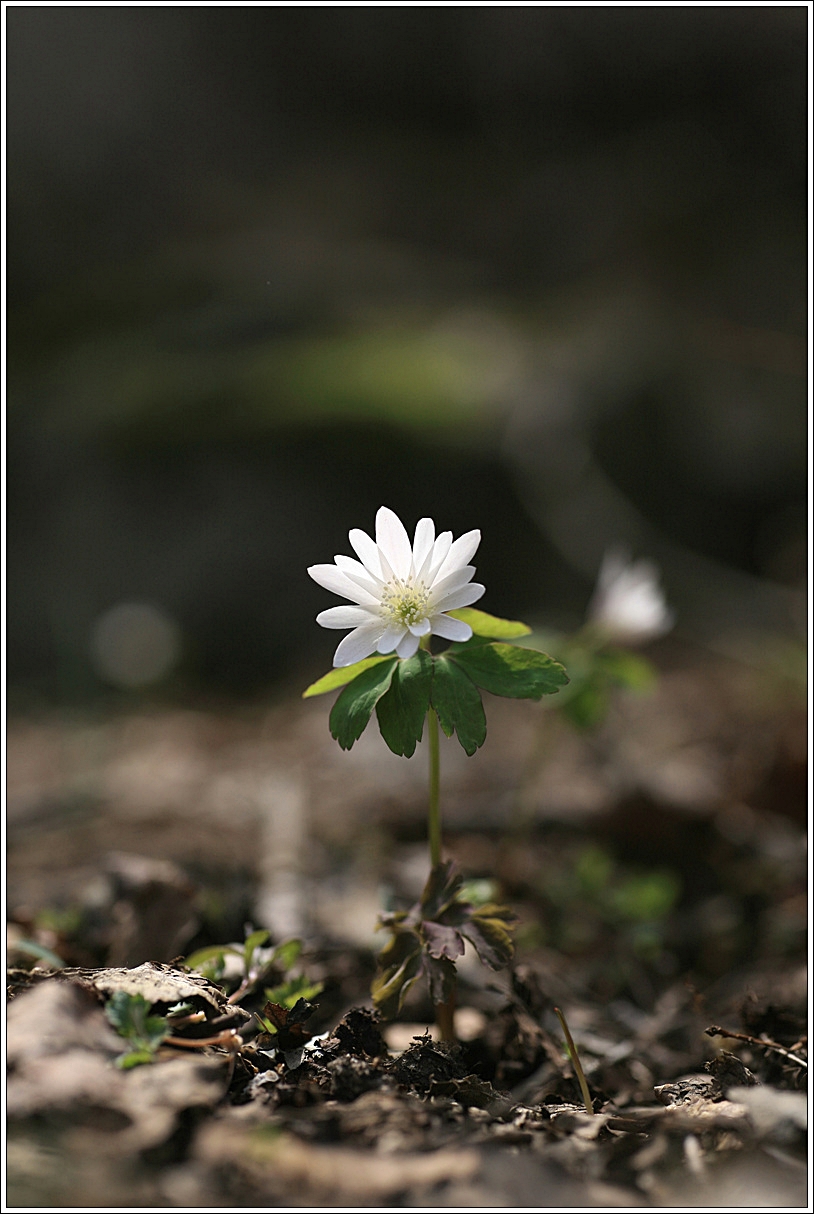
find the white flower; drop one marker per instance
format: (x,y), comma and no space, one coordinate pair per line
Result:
(401,591)
(628,603)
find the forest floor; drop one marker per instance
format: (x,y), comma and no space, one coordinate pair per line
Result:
(657,869)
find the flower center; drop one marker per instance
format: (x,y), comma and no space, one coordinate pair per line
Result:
(404,603)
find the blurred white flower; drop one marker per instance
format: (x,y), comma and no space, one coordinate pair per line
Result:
(401,591)
(628,604)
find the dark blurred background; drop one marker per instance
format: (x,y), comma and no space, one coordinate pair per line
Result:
(540,270)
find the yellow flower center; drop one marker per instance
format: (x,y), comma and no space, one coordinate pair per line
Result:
(404,603)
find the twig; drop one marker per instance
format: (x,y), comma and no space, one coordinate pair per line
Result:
(715,1030)
(228,1039)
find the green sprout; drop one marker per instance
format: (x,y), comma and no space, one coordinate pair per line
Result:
(130,1017)
(258,963)
(573,1054)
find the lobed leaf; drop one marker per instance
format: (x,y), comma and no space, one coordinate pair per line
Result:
(351,712)
(458,704)
(441,975)
(403,707)
(509,670)
(442,941)
(487,929)
(129,1015)
(400,965)
(440,890)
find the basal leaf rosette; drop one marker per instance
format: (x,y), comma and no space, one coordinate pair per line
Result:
(403,690)
(427,940)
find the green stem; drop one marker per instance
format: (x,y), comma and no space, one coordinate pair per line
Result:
(444,1012)
(435,789)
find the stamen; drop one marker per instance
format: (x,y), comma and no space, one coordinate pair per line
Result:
(404,603)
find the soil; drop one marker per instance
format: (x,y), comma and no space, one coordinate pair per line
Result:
(658,873)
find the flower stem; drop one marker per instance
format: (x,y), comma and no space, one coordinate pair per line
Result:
(445,1017)
(434,823)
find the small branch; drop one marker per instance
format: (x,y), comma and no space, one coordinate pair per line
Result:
(577,1065)
(715,1030)
(229,1039)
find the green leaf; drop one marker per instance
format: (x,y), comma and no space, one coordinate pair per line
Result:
(588,705)
(441,889)
(509,670)
(487,928)
(400,964)
(126,1062)
(129,1015)
(457,702)
(647,896)
(342,675)
(351,712)
(253,942)
(200,960)
(485,625)
(441,977)
(627,669)
(442,941)
(286,954)
(287,994)
(32,949)
(401,711)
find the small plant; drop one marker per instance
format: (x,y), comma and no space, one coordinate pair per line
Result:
(130,1017)
(628,609)
(211,961)
(427,940)
(402,595)
(257,963)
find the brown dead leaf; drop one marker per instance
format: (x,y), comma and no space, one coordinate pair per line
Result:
(60,1053)
(335,1173)
(155,983)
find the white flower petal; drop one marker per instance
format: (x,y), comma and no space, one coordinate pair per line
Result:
(612,568)
(408,646)
(333,579)
(449,628)
(464,597)
(345,617)
(459,553)
(356,571)
(393,542)
(360,643)
(440,549)
(366,550)
(423,542)
(399,592)
(390,638)
(453,581)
